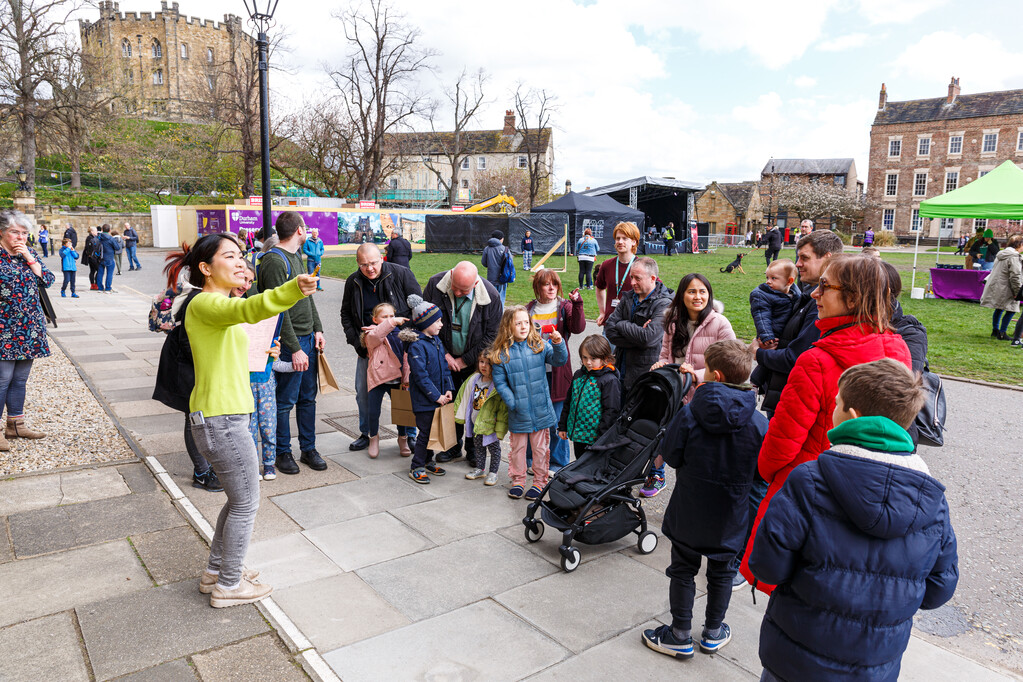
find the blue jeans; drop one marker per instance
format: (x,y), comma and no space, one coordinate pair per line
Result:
(502,289)
(987,265)
(1002,324)
(133,260)
(362,394)
(376,400)
(105,277)
(44,246)
(297,389)
(13,378)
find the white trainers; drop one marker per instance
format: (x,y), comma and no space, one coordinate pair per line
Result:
(208,580)
(474,474)
(491,479)
(246,593)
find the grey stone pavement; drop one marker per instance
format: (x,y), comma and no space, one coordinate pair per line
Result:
(377,577)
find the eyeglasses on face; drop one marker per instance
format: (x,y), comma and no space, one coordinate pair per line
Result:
(823,284)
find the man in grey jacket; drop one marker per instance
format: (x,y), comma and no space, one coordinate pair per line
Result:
(636,326)
(493,260)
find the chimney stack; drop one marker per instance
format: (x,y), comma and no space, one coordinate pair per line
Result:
(953,90)
(509,122)
(883,101)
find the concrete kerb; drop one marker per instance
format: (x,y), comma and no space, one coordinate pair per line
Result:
(307,656)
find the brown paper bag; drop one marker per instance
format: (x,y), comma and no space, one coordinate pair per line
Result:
(328,384)
(401,408)
(442,433)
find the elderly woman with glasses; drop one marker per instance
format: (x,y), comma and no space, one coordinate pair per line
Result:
(22,325)
(854,310)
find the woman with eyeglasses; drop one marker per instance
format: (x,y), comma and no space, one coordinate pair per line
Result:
(22,325)
(854,310)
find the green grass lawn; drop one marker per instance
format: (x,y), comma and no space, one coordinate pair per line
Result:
(959,332)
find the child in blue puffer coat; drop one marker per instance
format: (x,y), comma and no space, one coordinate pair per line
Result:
(520,358)
(856,541)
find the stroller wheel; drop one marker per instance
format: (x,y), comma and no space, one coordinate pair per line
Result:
(534,531)
(571,562)
(647,542)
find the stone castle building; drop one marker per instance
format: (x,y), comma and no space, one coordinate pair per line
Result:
(922,148)
(163,65)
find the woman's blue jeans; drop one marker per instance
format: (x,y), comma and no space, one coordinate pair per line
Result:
(13,379)
(375,400)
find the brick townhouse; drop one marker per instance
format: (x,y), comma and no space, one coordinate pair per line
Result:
(922,148)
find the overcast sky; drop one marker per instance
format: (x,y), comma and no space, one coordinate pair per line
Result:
(695,90)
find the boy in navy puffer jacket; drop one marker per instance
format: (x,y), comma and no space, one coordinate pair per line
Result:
(430,382)
(856,541)
(771,304)
(713,443)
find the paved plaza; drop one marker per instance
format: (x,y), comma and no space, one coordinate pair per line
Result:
(376,577)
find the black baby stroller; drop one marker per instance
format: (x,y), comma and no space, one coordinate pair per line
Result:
(592,500)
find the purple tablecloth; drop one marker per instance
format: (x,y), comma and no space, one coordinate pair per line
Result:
(960,284)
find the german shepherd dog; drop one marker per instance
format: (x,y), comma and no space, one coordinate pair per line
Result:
(735,264)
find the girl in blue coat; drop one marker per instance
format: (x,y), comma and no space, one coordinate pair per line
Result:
(520,358)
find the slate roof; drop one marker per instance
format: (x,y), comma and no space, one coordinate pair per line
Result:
(476,141)
(808,167)
(1005,102)
(738,194)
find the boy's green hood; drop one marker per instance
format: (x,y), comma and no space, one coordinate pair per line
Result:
(880,434)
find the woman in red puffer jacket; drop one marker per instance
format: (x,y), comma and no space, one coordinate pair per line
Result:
(853,304)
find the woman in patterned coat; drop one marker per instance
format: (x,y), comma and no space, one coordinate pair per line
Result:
(22,325)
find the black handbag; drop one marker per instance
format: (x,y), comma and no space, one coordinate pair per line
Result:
(930,422)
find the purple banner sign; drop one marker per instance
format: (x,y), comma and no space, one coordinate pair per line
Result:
(210,221)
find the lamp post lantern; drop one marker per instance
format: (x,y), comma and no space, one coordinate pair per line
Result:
(262,19)
(22,176)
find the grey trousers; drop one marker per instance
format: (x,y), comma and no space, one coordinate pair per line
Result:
(226,444)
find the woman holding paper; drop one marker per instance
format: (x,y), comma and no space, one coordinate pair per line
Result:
(221,403)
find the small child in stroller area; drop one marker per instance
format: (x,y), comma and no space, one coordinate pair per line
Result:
(520,357)
(772,302)
(713,443)
(478,405)
(595,399)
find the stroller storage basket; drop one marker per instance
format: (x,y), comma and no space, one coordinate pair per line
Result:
(606,524)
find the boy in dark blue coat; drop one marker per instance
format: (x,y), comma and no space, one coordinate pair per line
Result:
(430,382)
(713,443)
(856,541)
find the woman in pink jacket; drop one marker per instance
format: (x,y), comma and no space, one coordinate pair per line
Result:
(387,369)
(692,322)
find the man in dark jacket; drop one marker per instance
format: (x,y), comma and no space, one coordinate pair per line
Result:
(856,541)
(131,243)
(471,310)
(713,443)
(773,240)
(108,249)
(376,281)
(636,326)
(773,365)
(71,234)
(399,250)
(494,256)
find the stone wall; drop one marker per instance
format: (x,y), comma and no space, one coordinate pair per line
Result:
(58,221)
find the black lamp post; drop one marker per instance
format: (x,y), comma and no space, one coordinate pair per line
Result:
(262,20)
(22,176)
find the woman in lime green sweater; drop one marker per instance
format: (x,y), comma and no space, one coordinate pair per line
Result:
(221,403)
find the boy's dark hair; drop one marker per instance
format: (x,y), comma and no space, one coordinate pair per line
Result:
(597,347)
(731,358)
(822,242)
(287,224)
(883,388)
(106,227)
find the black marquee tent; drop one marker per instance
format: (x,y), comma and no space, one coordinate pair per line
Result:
(599,213)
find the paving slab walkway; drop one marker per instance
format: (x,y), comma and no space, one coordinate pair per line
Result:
(376,577)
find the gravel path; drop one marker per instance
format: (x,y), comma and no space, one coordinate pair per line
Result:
(78,429)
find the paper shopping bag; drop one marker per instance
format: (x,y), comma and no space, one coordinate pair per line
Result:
(401,408)
(328,384)
(442,433)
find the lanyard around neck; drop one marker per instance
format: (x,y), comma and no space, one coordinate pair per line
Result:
(619,283)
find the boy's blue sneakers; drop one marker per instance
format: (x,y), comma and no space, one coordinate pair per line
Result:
(710,645)
(663,641)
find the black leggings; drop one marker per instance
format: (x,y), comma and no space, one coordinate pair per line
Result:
(1019,329)
(771,255)
(93,270)
(586,272)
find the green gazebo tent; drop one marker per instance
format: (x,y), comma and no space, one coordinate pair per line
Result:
(999,194)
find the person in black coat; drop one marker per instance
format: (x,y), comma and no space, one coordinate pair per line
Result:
(713,443)
(399,250)
(71,234)
(376,281)
(772,240)
(92,253)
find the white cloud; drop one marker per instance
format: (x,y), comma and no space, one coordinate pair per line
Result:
(764,115)
(846,42)
(804,81)
(896,11)
(981,62)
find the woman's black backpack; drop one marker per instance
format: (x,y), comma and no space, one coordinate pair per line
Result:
(175,376)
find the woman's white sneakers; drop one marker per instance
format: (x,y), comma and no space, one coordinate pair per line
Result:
(247,592)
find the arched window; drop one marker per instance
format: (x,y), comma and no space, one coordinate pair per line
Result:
(157,50)
(158,77)
(209,55)
(125,48)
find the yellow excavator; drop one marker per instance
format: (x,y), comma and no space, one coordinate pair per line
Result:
(502,201)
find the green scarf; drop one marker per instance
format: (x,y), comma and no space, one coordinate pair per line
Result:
(880,434)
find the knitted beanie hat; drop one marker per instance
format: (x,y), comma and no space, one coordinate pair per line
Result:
(424,313)
(988,233)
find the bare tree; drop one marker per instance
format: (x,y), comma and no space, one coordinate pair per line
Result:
(450,147)
(312,151)
(30,38)
(378,88)
(533,110)
(512,181)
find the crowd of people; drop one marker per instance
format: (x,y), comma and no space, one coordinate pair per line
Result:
(777,499)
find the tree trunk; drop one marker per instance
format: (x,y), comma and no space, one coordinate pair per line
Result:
(28,145)
(249,162)
(76,168)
